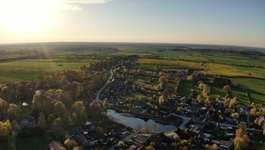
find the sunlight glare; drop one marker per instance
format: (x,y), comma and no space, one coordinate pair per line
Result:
(27,16)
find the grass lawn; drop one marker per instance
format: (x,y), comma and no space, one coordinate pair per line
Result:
(252,84)
(256,87)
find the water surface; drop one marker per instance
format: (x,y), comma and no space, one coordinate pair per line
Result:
(138,123)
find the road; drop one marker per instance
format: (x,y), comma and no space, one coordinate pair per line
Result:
(110,79)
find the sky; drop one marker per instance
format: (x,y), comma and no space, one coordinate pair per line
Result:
(227,22)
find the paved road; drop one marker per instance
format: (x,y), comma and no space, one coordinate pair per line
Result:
(110,79)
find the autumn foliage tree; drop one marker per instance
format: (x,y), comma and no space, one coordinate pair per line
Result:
(78,112)
(70,143)
(5,129)
(205,89)
(228,91)
(241,140)
(163,80)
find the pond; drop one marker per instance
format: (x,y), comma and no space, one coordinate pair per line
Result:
(139,124)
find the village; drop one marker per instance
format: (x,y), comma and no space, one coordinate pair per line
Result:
(135,107)
(159,118)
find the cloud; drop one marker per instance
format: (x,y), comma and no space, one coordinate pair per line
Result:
(77,4)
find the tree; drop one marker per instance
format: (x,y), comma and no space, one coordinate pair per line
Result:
(52,81)
(150,147)
(200,99)
(42,120)
(13,111)
(163,98)
(41,103)
(200,85)
(59,95)
(253,110)
(227,89)
(58,123)
(241,140)
(78,112)
(8,91)
(50,118)
(163,80)
(204,89)
(60,109)
(209,100)
(78,107)
(5,129)
(232,102)
(226,101)
(70,143)
(24,90)
(3,108)
(73,75)
(75,89)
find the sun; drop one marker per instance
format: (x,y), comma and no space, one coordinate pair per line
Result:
(27,16)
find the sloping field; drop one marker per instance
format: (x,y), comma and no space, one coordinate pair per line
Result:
(210,68)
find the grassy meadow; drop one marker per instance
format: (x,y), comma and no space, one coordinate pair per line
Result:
(32,69)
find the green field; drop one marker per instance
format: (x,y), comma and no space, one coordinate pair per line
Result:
(32,69)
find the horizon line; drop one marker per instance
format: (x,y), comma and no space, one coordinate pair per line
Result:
(137,42)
